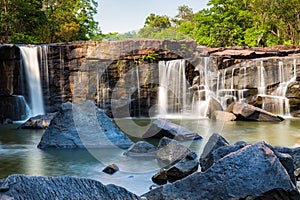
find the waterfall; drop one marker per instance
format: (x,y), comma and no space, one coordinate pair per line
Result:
(138,89)
(232,79)
(29,55)
(261,79)
(203,95)
(173,87)
(277,101)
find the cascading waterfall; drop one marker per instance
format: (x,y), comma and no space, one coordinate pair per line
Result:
(277,101)
(175,94)
(173,87)
(138,89)
(261,79)
(30,60)
(202,96)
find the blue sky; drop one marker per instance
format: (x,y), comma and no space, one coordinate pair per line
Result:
(123,16)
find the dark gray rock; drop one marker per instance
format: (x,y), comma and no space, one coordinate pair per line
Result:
(141,148)
(170,151)
(183,168)
(277,194)
(155,194)
(38,122)
(39,188)
(160,177)
(215,141)
(250,172)
(111,169)
(5,121)
(218,153)
(246,112)
(163,128)
(294,152)
(186,166)
(83,126)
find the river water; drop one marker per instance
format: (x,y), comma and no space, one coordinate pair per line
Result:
(19,155)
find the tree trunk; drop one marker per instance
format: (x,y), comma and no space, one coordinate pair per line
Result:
(6,21)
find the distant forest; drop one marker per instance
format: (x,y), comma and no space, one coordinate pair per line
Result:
(223,23)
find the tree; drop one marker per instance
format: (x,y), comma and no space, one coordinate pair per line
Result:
(70,20)
(159,27)
(45,21)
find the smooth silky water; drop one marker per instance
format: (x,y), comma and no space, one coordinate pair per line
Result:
(19,153)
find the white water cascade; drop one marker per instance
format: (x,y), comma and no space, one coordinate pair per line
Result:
(277,102)
(172,97)
(176,96)
(31,67)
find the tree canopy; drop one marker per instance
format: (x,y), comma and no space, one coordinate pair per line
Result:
(233,23)
(222,23)
(47,21)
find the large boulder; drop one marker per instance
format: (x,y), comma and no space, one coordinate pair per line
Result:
(170,151)
(83,126)
(218,153)
(251,172)
(35,188)
(38,122)
(294,152)
(164,128)
(214,142)
(246,112)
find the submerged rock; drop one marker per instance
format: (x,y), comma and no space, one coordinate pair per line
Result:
(141,148)
(163,128)
(111,169)
(39,188)
(251,172)
(83,126)
(5,121)
(38,122)
(246,112)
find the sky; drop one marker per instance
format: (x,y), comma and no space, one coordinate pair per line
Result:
(122,16)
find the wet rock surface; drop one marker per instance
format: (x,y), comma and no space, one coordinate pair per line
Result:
(246,112)
(38,122)
(111,169)
(164,128)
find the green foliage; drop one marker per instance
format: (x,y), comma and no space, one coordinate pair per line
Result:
(231,23)
(45,21)
(117,36)
(151,57)
(246,22)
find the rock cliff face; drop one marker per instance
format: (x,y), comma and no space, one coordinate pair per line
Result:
(125,74)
